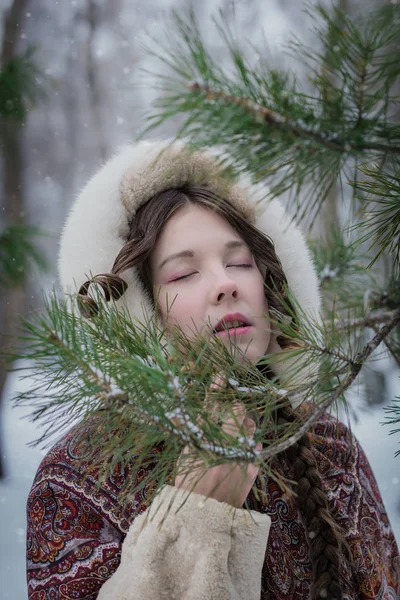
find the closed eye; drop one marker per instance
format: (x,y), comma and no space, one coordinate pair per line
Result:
(182,277)
(247,266)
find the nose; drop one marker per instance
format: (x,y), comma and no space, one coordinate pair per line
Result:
(225,289)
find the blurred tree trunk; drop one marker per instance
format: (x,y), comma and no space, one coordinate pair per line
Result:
(93,18)
(329,214)
(12,301)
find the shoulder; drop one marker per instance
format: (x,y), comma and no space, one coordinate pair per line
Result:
(354,496)
(70,469)
(76,520)
(338,451)
(344,466)
(74,532)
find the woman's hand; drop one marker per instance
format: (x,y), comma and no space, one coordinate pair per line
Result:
(230,482)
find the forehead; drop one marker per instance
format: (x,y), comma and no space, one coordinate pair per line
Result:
(194,228)
(194,225)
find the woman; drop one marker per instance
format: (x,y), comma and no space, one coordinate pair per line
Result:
(168,223)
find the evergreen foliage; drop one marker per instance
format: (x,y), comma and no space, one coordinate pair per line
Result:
(21,86)
(142,391)
(18,250)
(339,126)
(299,139)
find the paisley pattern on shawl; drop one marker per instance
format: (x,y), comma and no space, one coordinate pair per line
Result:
(76,527)
(355,500)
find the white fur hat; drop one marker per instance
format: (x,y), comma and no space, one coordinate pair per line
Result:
(98,224)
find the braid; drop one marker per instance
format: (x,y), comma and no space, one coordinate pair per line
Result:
(326,537)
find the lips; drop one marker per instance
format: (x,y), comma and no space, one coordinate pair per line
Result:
(232,321)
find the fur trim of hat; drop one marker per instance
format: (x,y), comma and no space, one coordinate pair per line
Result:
(99,221)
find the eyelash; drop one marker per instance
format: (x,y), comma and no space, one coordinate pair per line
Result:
(190,274)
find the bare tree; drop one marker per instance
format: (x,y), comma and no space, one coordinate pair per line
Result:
(12,300)
(93,19)
(329,215)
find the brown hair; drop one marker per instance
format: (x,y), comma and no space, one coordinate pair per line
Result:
(145,229)
(326,539)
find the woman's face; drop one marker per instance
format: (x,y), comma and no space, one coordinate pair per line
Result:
(205,277)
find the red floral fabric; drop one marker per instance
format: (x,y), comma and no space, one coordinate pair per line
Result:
(76,526)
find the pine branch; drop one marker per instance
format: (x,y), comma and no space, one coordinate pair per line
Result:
(141,394)
(394,353)
(360,103)
(370,320)
(394,409)
(321,408)
(334,353)
(379,197)
(264,115)
(93,373)
(22,85)
(18,252)
(179,423)
(112,397)
(298,142)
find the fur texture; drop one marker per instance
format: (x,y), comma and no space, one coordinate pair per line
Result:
(99,221)
(201,550)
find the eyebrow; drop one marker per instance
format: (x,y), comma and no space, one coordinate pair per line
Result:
(190,253)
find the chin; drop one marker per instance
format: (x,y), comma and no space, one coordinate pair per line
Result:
(250,355)
(254,353)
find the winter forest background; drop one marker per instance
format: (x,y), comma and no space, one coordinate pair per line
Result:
(91,55)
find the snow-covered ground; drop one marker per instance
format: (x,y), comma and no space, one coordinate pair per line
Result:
(22,461)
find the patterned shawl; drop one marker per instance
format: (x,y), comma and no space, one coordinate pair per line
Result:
(76,527)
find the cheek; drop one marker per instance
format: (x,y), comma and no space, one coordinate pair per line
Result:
(259,295)
(180,309)
(260,304)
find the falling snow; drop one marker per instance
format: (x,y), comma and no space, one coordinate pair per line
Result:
(63,147)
